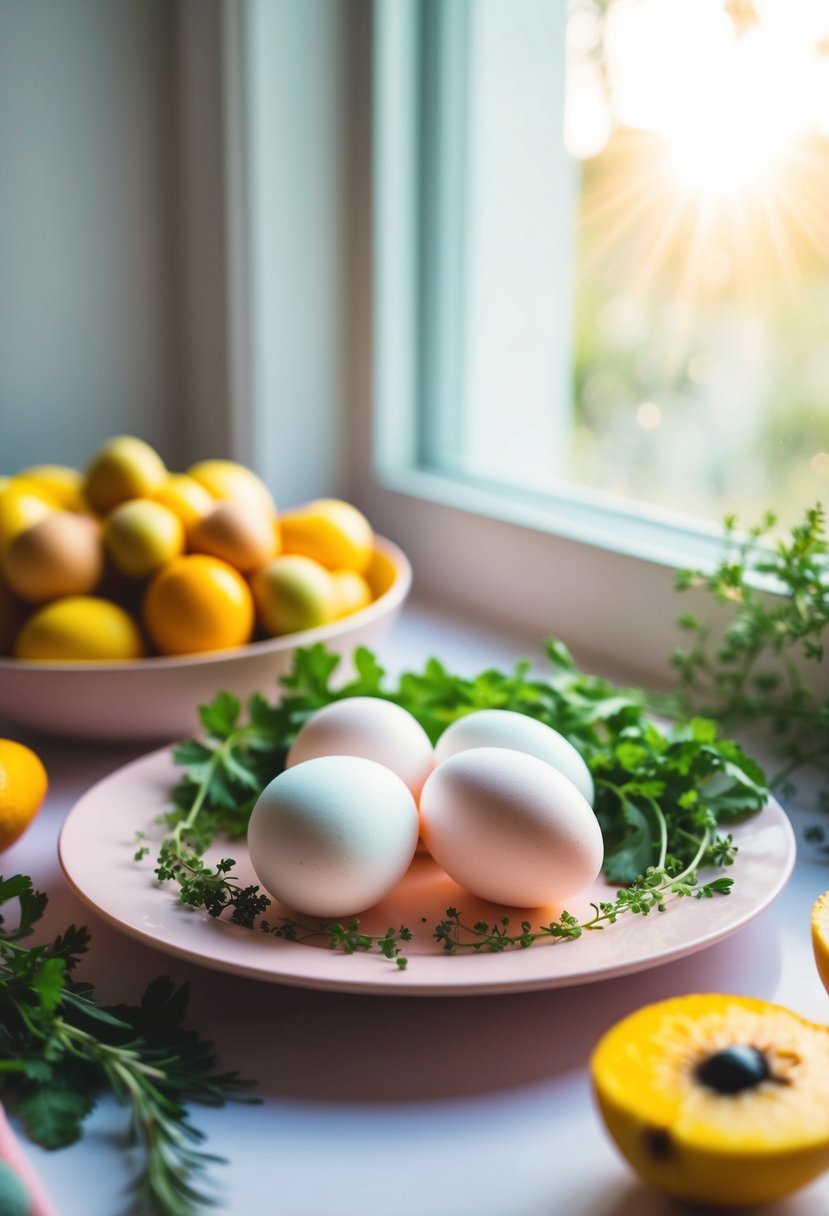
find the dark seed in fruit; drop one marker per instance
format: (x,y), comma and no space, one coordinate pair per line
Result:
(733,1069)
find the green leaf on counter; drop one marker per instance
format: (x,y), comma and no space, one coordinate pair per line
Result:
(60,1050)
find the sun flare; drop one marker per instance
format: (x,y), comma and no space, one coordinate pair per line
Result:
(716,121)
(732,133)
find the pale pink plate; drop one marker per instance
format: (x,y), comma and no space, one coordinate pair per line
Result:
(97,847)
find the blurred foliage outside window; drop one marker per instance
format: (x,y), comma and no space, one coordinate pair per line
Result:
(701,331)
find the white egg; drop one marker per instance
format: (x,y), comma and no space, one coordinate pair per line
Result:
(369,727)
(505,728)
(332,836)
(510,828)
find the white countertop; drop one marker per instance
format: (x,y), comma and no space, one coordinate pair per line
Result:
(473,1106)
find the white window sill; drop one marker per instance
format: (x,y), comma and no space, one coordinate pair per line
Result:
(617,613)
(467,645)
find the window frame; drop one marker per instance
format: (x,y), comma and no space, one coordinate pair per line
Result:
(577,566)
(525,566)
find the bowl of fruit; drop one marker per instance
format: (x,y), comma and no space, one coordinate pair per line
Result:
(130,595)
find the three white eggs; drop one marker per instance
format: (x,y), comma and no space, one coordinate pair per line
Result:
(502,802)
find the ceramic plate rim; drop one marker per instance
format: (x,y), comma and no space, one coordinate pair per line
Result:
(201,940)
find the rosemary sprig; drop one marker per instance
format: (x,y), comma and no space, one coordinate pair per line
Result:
(60,1050)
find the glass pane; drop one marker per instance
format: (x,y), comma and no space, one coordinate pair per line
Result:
(702,283)
(626,251)
(496,235)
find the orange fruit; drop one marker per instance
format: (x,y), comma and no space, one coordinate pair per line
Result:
(197,603)
(820,936)
(23,785)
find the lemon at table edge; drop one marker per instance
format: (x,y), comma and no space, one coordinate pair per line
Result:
(23,786)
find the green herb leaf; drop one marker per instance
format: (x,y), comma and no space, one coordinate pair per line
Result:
(756,673)
(30,904)
(60,1049)
(221,715)
(53,1112)
(659,795)
(638,847)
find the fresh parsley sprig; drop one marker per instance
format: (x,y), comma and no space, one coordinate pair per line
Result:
(60,1050)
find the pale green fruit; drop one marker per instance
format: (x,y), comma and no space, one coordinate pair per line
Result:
(293,593)
(142,535)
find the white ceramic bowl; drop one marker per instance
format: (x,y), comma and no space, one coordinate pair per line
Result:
(157,698)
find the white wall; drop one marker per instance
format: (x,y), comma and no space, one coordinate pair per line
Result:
(172,224)
(88,247)
(288,215)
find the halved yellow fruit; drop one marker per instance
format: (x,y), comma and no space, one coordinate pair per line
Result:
(717,1099)
(820,936)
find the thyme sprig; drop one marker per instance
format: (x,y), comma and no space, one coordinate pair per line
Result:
(349,937)
(649,892)
(763,668)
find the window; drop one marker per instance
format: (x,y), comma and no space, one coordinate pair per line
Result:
(479,389)
(619,289)
(702,274)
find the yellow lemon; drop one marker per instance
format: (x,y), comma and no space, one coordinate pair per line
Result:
(332,532)
(225,479)
(22,503)
(197,603)
(717,1099)
(62,482)
(820,936)
(79,629)
(124,467)
(23,785)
